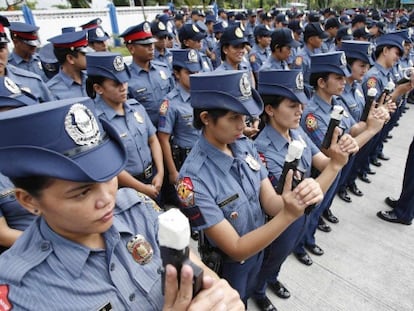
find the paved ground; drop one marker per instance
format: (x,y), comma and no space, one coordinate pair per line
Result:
(368,263)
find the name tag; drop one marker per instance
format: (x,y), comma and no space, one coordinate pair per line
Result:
(228,200)
(141,90)
(107,307)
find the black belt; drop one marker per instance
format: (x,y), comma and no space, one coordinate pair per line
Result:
(146,174)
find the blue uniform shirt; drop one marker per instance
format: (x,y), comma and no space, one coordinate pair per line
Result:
(62,86)
(29,82)
(165,58)
(176,118)
(15,215)
(33,65)
(225,187)
(272,63)
(274,147)
(354,99)
(316,117)
(149,88)
(376,77)
(257,56)
(303,61)
(134,128)
(48,272)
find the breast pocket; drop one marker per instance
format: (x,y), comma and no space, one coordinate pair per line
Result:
(235,210)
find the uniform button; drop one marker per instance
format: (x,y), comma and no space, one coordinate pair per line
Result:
(112,267)
(160,270)
(132,297)
(45,246)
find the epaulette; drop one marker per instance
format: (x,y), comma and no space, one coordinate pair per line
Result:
(24,73)
(128,197)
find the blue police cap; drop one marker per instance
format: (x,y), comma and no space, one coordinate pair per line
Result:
(92,24)
(229,89)
(286,83)
(97,35)
(60,139)
(262,31)
(344,33)
(48,60)
(12,96)
(210,18)
(233,35)
(358,49)
(25,32)
(165,18)
(405,34)
(138,34)
(107,64)
(345,19)
(71,40)
(391,39)
(68,29)
(159,29)
(283,37)
(4,22)
(314,29)
(186,58)
(218,27)
(334,62)
(190,32)
(361,32)
(296,26)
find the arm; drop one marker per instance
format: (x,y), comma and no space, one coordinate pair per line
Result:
(125,179)
(157,158)
(8,235)
(164,140)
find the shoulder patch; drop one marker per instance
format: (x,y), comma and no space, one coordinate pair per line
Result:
(311,122)
(164,107)
(252,58)
(299,61)
(185,191)
(372,82)
(263,159)
(148,201)
(5,304)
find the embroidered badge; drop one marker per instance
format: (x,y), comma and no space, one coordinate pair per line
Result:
(311,122)
(372,82)
(138,117)
(81,125)
(252,58)
(5,304)
(185,191)
(164,107)
(251,161)
(140,249)
(299,61)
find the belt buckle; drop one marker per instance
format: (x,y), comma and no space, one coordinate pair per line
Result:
(148,172)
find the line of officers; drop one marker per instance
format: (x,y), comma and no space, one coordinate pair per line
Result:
(149,104)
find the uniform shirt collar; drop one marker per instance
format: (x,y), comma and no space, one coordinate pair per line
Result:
(68,81)
(323,104)
(383,70)
(138,68)
(108,111)
(183,93)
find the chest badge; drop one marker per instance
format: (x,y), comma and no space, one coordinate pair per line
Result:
(163,75)
(253,164)
(138,117)
(140,249)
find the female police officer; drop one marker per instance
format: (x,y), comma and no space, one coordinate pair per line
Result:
(283,95)
(91,248)
(223,187)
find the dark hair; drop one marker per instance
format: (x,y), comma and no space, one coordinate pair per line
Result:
(61,54)
(90,81)
(273,47)
(379,50)
(272,100)
(314,77)
(222,55)
(351,60)
(34,185)
(213,113)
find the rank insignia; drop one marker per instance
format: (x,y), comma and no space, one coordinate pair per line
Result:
(251,161)
(311,122)
(140,249)
(185,191)
(164,107)
(372,82)
(138,117)
(4,300)
(147,200)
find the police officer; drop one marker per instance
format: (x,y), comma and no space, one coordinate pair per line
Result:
(111,237)
(282,93)
(14,219)
(26,80)
(108,77)
(175,127)
(260,51)
(48,60)
(161,52)
(70,49)
(98,39)
(209,42)
(150,80)
(281,46)
(344,33)
(26,41)
(223,186)
(332,26)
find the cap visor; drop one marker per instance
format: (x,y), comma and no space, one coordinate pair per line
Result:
(323,35)
(294,44)
(35,43)
(146,41)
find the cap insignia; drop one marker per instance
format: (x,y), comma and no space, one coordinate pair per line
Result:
(81,125)
(299,81)
(192,56)
(146,27)
(244,84)
(195,28)
(99,33)
(119,63)
(161,26)
(343,59)
(238,32)
(349,31)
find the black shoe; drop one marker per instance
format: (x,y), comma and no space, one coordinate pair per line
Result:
(327,214)
(355,190)
(385,140)
(364,178)
(391,217)
(315,249)
(370,171)
(396,124)
(344,195)
(323,226)
(391,202)
(376,163)
(304,258)
(383,157)
(264,304)
(279,289)
(389,136)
